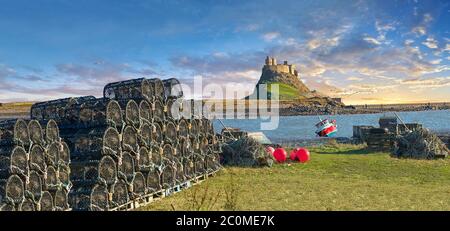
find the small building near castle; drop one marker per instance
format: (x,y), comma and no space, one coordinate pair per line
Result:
(271,64)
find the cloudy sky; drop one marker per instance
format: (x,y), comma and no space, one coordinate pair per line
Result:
(363,51)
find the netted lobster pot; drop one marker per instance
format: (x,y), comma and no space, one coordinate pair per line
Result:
(61,200)
(60,110)
(64,175)
(46,202)
(183,128)
(168,151)
(27,205)
(98,112)
(179,171)
(129,89)
(12,188)
(158,133)
(64,153)
(153,180)
(207,126)
(144,161)
(170,133)
(145,134)
(204,146)
(51,181)
(52,154)
(199,164)
(132,114)
(158,110)
(119,193)
(92,198)
(34,184)
(51,132)
(7,207)
(139,187)
(90,172)
(185,147)
(37,159)
(35,132)
(172,88)
(130,140)
(16,163)
(174,108)
(127,167)
(186,109)
(157,155)
(168,176)
(14,132)
(195,125)
(145,111)
(212,162)
(188,167)
(97,141)
(158,87)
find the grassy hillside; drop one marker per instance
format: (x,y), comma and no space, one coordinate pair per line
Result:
(285,91)
(337,178)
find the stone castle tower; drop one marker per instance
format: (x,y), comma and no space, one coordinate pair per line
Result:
(271,64)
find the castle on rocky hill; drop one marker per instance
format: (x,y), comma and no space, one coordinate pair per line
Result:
(271,64)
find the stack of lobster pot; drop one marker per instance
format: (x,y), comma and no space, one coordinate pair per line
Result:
(90,128)
(34,167)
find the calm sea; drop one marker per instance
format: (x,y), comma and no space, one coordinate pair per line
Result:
(302,127)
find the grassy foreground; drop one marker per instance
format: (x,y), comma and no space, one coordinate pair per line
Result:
(336,178)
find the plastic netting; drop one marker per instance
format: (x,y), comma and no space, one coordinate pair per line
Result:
(153,180)
(46,201)
(51,131)
(132,115)
(145,134)
(34,184)
(139,186)
(130,139)
(119,193)
(37,159)
(107,169)
(35,132)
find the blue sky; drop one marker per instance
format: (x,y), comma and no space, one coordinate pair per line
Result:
(363,51)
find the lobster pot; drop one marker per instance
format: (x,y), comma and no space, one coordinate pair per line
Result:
(58,110)
(168,176)
(157,156)
(89,198)
(204,146)
(168,152)
(144,161)
(51,132)
(127,167)
(139,187)
(64,153)
(179,171)
(34,185)
(119,193)
(64,176)
(195,125)
(37,159)
(12,189)
(158,87)
(212,162)
(94,142)
(183,128)
(94,171)
(159,110)
(207,127)
(172,88)
(14,132)
(98,113)
(7,207)
(52,154)
(14,163)
(35,132)
(158,137)
(214,144)
(61,199)
(170,132)
(145,111)
(145,134)
(46,202)
(184,147)
(153,180)
(27,205)
(188,167)
(51,182)
(131,113)
(129,89)
(130,140)
(199,164)
(174,108)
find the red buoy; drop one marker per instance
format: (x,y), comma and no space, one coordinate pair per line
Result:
(280,155)
(293,155)
(303,155)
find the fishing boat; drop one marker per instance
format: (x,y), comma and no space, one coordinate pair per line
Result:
(326,128)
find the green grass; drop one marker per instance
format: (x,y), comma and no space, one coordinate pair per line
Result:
(336,178)
(286,91)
